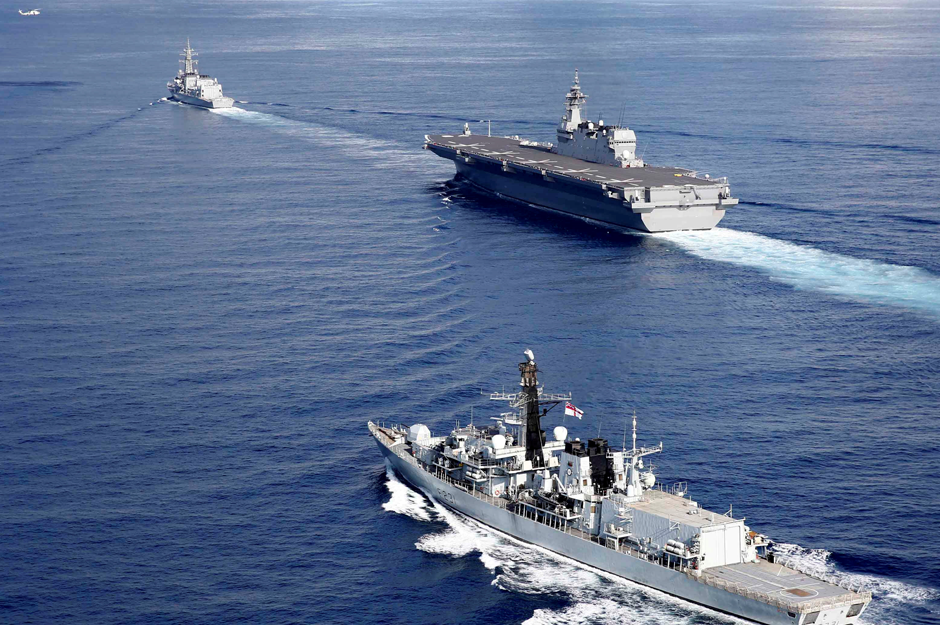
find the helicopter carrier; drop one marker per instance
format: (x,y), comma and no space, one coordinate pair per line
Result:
(191,87)
(603,507)
(592,172)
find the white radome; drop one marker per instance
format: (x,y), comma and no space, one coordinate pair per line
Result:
(418,432)
(499,442)
(561,433)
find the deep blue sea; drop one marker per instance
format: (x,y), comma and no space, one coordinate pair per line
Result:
(199,311)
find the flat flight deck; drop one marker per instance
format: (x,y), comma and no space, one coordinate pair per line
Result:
(514,153)
(782,583)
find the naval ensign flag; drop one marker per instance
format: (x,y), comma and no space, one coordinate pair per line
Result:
(572,411)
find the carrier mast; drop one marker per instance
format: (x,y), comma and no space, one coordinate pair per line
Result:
(573,101)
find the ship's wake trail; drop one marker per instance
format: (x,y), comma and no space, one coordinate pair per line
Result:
(596,598)
(808,268)
(66,141)
(376,152)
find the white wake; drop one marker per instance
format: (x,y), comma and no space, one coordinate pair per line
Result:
(378,152)
(596,597)
(808,268)
(403,500)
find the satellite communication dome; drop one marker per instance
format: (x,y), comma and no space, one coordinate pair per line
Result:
(648,479)
(561,433)
(499,441)
(418,432)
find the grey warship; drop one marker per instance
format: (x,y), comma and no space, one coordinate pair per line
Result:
(593,172)
(191,87)
(602,507)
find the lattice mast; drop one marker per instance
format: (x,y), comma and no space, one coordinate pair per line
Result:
(530,401)
(531,417)
(189,64)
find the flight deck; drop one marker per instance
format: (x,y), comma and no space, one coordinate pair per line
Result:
(515,152)
(784,584)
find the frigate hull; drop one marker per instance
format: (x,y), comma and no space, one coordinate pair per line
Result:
(600,506)
(191,87)
(592,554)
(575,201)
(217,103)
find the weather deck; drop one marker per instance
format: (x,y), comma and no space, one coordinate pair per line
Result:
(512,152)
(678,509)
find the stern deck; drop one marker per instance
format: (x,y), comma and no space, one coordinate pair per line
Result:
(783,584)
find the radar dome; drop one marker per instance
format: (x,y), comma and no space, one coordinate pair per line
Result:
(418,432)
(499,441)
(648,479)
(561,433)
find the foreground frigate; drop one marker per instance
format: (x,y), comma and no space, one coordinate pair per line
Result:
(191,87)
(601,507)
(593,172)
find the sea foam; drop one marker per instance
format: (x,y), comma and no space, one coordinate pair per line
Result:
(808,268)
(404,500)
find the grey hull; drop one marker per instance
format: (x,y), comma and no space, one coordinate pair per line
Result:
(648,199)
(617,563)
(570,200)
(218,103)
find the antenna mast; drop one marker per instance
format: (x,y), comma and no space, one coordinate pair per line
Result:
(634,430)
(529,400)
(189,64)
(531,420)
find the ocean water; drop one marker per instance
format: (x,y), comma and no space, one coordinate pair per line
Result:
(199,310)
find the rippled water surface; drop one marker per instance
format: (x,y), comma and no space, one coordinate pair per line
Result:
(199,310)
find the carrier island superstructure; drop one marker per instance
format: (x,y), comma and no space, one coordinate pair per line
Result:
(191,87)
(605,508)
(592,172)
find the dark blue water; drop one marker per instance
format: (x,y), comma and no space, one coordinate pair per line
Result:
(200,311)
